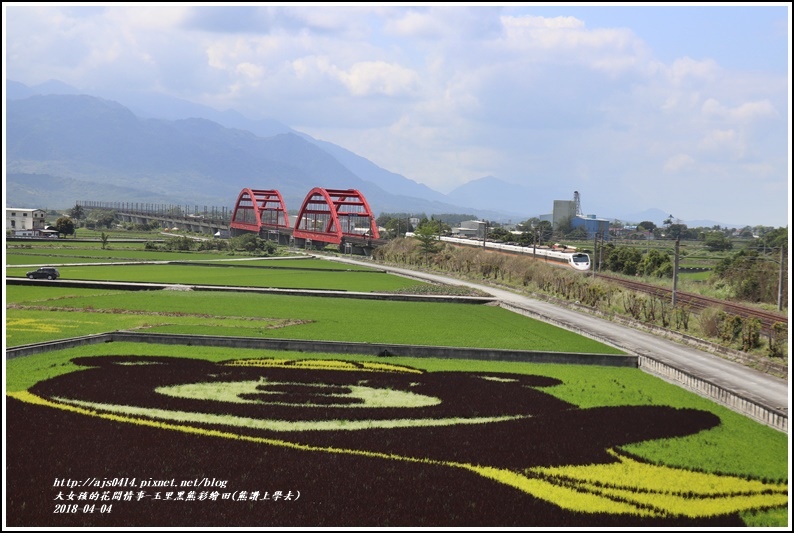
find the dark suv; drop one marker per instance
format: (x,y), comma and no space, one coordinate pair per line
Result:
(44,273)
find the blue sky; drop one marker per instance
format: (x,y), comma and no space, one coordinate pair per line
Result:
(685,108)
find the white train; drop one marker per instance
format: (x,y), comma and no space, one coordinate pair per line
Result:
(576,260)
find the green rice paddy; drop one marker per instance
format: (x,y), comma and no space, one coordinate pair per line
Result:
(37,313)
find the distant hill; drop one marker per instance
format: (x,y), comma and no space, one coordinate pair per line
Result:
(63,146)
(44,191)
(16,90)
(159,106)
(390,181)
(79,139)
(657,216)
(76,140)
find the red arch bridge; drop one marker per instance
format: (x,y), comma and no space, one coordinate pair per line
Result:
(337,217)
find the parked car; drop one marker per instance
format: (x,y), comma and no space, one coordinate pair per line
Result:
(44,273)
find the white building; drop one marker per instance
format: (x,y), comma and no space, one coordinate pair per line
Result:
(27,222)
(470,228)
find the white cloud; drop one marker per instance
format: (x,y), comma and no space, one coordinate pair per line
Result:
(340,20)
(456,24)
(252,72)
(516,27)
(678,162)
(746,112)
(414,24)
(689,70)
(226,54)
(378,77)
(145,18)
(444,94)
(567,39)
(727,143)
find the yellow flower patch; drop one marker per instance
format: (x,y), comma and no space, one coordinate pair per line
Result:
(41,326)
(323,364)
(630,486)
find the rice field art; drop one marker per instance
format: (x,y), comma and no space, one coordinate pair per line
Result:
(325,442)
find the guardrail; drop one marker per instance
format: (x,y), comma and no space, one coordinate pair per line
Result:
(771,416)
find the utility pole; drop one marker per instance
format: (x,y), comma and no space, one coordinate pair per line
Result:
(780,282)
(534,245)
(595,253)
(675,267)
(600,253)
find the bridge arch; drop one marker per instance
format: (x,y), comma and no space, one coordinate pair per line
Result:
(258,208)
(330,215)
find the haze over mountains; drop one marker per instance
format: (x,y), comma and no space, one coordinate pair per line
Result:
(64,146)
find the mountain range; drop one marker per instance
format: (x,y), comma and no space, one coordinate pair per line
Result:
(63,146)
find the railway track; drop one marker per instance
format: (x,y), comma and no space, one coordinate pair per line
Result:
(695,301)
(698,302)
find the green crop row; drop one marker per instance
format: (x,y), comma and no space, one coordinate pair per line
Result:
(73,312)
(303,278)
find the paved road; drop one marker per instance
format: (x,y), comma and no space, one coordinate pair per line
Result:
(758,386)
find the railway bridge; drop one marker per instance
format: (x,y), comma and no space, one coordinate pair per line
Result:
(337,217)
(210,220)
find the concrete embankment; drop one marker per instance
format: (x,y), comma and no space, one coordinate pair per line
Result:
(348,348)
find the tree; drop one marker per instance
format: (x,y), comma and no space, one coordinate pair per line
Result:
(657,264)
(253,243)
(103,218)
(64,226)
(396,225)
(527,238)
(500,234)
(676,231)
(746,232)
(435,226)
(751,277)
(716,241)
(181,244)
(544,231)
(578,234)
(428,240)
(773,238)
(565,226)
(623,259)
(530,223)
(646,225)
(439,226)
(104,239)
(77,212)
